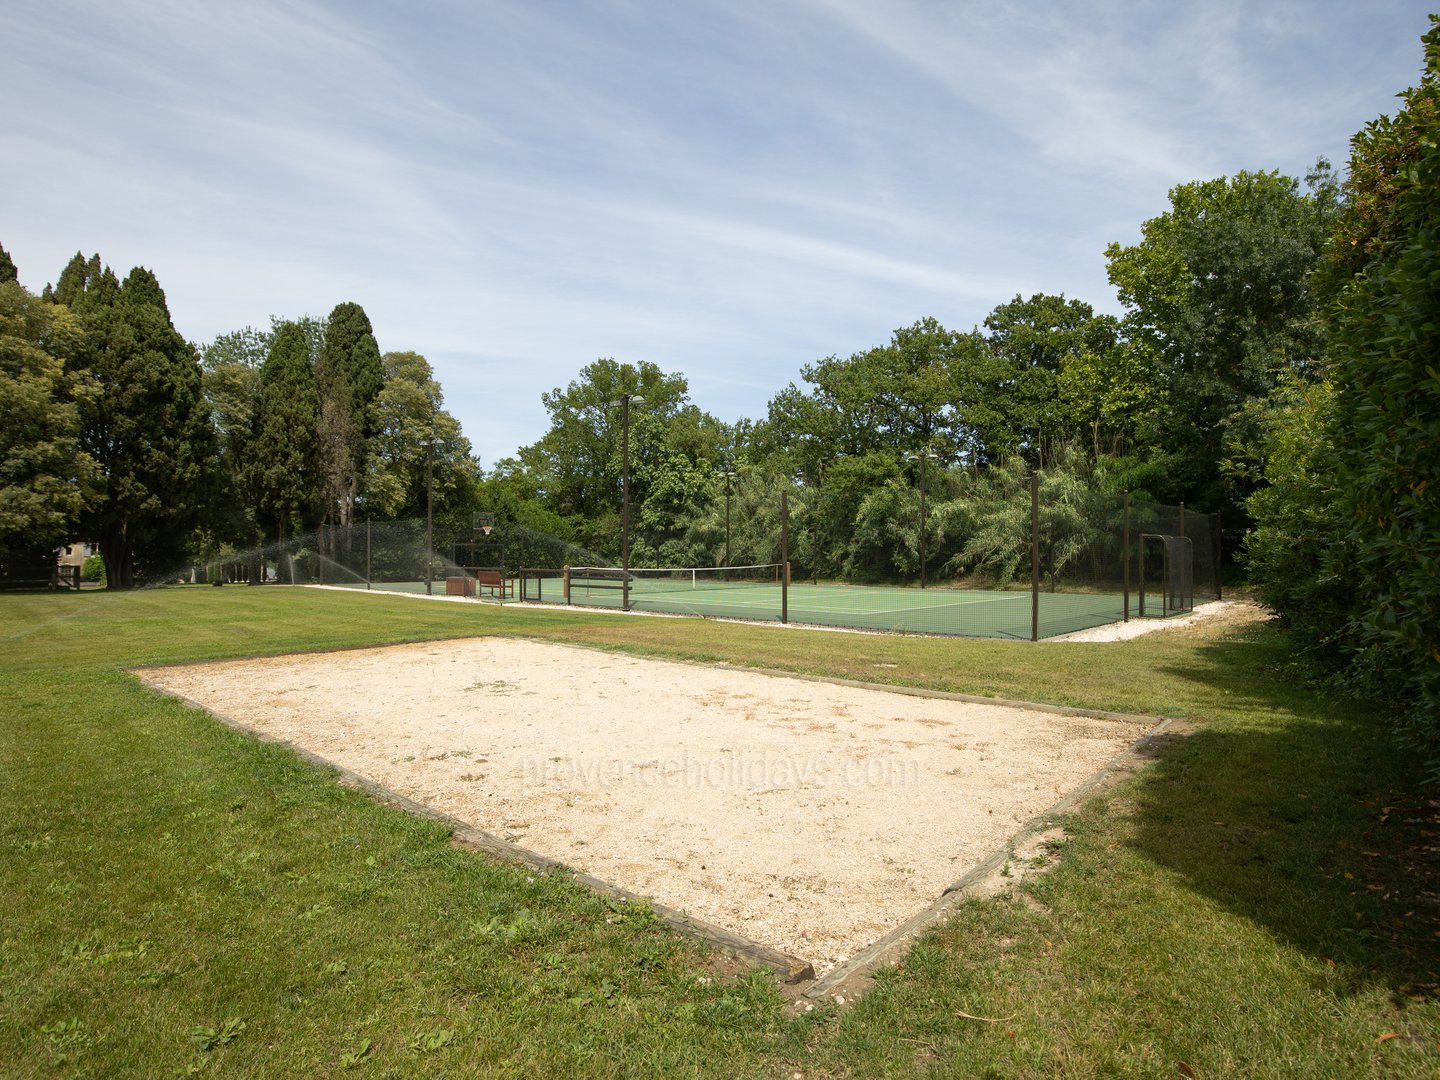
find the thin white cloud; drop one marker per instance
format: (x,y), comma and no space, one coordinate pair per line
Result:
(728,189)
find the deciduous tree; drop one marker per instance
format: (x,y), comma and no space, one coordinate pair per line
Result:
(413,428)
(46,480)
(1218,293)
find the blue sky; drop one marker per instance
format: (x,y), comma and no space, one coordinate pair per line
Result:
(730,190)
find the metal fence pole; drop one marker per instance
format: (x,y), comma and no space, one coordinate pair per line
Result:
(784,555)
(1215,545)
(1035,556)
(625,505)
(1125,556)
(1140,569)
(429,523)
(367,553)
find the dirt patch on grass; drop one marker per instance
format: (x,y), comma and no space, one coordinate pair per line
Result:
(807,816)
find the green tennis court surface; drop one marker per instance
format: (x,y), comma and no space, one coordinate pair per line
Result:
(974,613)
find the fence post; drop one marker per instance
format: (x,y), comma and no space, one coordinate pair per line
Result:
(1216,546)
(1125,556)
(1035,556)
(784,555)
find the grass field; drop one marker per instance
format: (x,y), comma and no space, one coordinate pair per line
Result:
(181,899)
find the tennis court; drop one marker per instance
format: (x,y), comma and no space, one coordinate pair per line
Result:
(756,593)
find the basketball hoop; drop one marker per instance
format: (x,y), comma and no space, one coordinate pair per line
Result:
(482,523)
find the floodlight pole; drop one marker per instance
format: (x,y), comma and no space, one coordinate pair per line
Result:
(922,457)
(729,476)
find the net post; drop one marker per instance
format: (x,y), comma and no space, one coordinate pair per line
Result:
(367,553)
(1125,555)
(1035,556)
(565,588)
(785,555)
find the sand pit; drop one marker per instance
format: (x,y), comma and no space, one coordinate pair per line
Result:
(806,816)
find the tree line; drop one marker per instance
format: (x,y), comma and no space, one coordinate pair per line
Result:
(122,433)
(1170,401)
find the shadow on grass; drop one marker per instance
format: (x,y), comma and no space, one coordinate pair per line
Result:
(1303,815)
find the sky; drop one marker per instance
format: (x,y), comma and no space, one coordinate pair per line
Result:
(728,190)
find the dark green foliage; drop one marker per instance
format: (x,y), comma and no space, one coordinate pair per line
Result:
(1348,544)
(1386,371)
(825,516)
(578,462)
(282,449)
(1048,374)
(411,429)
(7,267)
(927,388)
(1218,294)
(83,283)
(349,367)
(231,381)
(1297,554)
(349,376)
(1035,340)
(147,425)
(45,480)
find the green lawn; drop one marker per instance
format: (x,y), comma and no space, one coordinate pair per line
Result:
(179,898)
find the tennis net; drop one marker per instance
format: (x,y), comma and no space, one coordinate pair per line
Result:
(671,579)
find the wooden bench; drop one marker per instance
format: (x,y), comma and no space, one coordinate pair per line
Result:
(494,580)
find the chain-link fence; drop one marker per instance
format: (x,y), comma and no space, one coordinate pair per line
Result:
(1046,559)
(1043,558)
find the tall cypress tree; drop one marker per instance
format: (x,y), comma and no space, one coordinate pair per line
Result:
(349,376)
(148,427)
(7,267)
(84,283)
(282,446)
